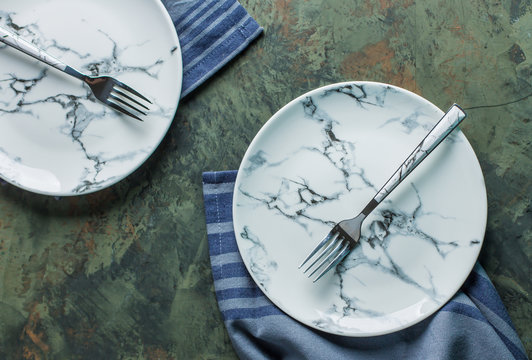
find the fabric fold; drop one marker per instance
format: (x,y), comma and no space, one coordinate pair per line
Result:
(211,33)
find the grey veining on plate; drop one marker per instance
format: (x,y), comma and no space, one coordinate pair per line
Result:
(303,186)
(32,92)
(262,264)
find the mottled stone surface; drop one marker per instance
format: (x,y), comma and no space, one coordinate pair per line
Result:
(124,273)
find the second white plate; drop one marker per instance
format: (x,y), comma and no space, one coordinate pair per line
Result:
(319,160)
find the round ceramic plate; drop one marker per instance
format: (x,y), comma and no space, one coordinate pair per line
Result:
(319,160)
(55,137)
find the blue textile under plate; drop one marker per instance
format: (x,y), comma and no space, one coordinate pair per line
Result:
(474,324)
(211,33)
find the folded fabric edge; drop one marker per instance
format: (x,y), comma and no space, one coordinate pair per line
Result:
(221,64)
(220,54)
(211,34)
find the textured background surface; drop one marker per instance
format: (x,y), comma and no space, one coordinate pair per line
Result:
(124,273)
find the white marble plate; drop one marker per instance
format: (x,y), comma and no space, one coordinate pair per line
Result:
(55,137)
(319,160)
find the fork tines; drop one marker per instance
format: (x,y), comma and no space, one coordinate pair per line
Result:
(329,252)
(127,100)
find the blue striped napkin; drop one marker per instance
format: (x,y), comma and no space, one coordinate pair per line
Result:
(474,324)
(211,33)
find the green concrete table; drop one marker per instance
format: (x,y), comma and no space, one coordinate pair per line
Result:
(124,273)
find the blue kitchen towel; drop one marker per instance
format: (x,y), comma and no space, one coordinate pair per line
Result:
(474,324)
(211,33)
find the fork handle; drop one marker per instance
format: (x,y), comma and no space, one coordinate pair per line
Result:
(444,127)
(13,40)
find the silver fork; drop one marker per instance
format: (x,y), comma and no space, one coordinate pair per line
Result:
(108,90)
(346,234)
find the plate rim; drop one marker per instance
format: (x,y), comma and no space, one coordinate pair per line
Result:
(167,20)
(280,113)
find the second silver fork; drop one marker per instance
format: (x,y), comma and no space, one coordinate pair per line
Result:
(108,90)
(346,234)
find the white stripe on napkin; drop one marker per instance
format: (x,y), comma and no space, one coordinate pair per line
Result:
(216,43)
(236,303)
(227,258)
(199,36)
(219,228)
(183,24)
(235,283)
(223,188)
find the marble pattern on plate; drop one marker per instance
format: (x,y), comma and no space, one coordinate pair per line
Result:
(291,193)
(98,145)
